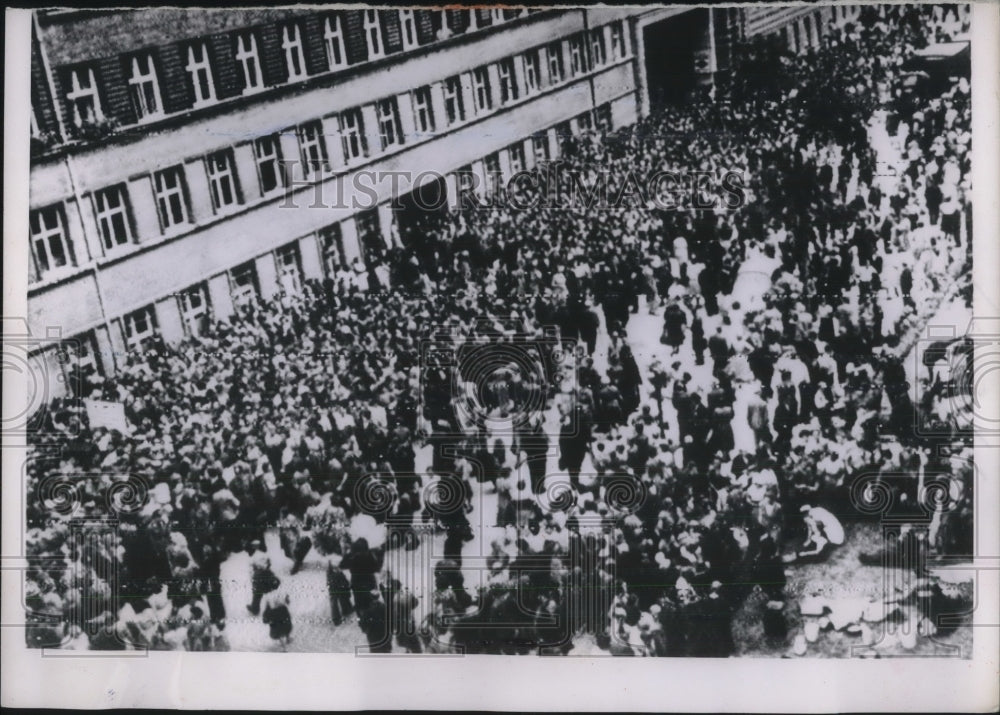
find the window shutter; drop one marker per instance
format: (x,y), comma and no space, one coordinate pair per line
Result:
(272,56)
(458,21)
(484,18)
(425,26)
(41,101)
(174,88)
(391,31)
(313,44)
(62,85)
(113,90)
(354,37)
(228,82)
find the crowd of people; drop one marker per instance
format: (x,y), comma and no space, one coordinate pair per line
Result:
(778,379)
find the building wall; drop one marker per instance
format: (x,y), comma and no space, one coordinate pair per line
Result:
(92,297)
(801,26)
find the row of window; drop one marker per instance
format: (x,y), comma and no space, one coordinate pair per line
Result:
(52,248)
(600,119)
(808,31)
(804,33)
(194,304)
(144,70)
(538,68)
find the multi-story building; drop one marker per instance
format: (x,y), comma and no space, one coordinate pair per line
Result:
(169,145)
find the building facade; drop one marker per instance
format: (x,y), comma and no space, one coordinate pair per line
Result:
(169,146)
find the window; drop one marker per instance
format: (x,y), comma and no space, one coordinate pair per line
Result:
(556,69)
(313,147)
(144,89)
(249,61)
(598,54)
(408,28)
(243,284)
(540,147)
(481,87)
(603,116)
(577,56)
(81,350)
(494,177)
(508,82)
(331,241)
(170,199)
(352,134)
(584,122)
(267,153)
(473,19)
(291,43)
(140,327)
(389,128)
(373,34)
(289,272)
(531,82)
(618,48)
(465,180)
(193,305)
(82,96)
(222,180)
(50,245)
(515,153)
(497,15)
(454,106)
(564,133)
(336,55)
(370,234)
(423,112)
(200,70)
(112,216)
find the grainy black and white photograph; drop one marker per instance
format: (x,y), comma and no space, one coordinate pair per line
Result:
(509,331)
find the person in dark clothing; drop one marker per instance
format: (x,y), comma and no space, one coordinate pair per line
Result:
(906,286)
(696,443)
(933,199)
(674,321)
(698,342)
(786,414)
(339,590)
(708,282)
(277,616)
(364,565)
(448,577)
(720,409)
(211,564)
(718,348)
(683,405)
(630,380)
(374,622)
(711,634)
(401,603)
(262,578)
(608,410)
(588,325)
(534,442)
(574,441)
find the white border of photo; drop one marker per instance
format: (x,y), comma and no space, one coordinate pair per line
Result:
(328,681)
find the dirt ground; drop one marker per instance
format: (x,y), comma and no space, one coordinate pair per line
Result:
(843,576)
